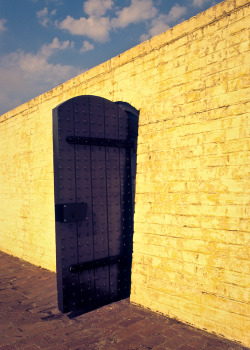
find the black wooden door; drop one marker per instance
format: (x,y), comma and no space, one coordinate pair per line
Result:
(94,166)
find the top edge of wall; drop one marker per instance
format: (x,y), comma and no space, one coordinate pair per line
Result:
(197,22)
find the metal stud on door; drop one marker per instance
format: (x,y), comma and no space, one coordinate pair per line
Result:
(93,201)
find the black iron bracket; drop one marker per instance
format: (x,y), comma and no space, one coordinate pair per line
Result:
(89,141)
(111,260)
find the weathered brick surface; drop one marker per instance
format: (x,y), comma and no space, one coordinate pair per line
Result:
(191,241)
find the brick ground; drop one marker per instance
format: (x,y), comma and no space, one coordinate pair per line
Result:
(29,319)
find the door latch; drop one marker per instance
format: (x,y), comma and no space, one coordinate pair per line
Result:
(71,212)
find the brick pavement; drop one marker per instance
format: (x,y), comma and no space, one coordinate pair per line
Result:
(29,319)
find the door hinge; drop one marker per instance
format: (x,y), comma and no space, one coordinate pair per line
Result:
(89,141)
(108,261)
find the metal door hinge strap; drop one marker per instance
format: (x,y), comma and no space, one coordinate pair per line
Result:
(89,141)
(103,262)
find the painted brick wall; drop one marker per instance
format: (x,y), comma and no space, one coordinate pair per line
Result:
(191,243)
(26,187)
(191,240)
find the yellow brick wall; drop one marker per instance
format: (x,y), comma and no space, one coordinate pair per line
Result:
(191,239)
(26,189)
(191,242)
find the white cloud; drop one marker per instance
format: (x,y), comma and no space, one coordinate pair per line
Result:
(47,50)
(27,75)
(93,27)
(138,11)
(32,67)
(97,27)
(97,8)
(87,46)
(2,25)
(163,22)
(199,3)
(158,25)
(176,13)
(44,17)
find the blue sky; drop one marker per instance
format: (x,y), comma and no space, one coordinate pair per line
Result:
(44,43)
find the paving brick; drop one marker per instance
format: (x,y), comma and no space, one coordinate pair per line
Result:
(154,340)
(131,342)
(187,347)
(8,347)
(38,324)
(176,341)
